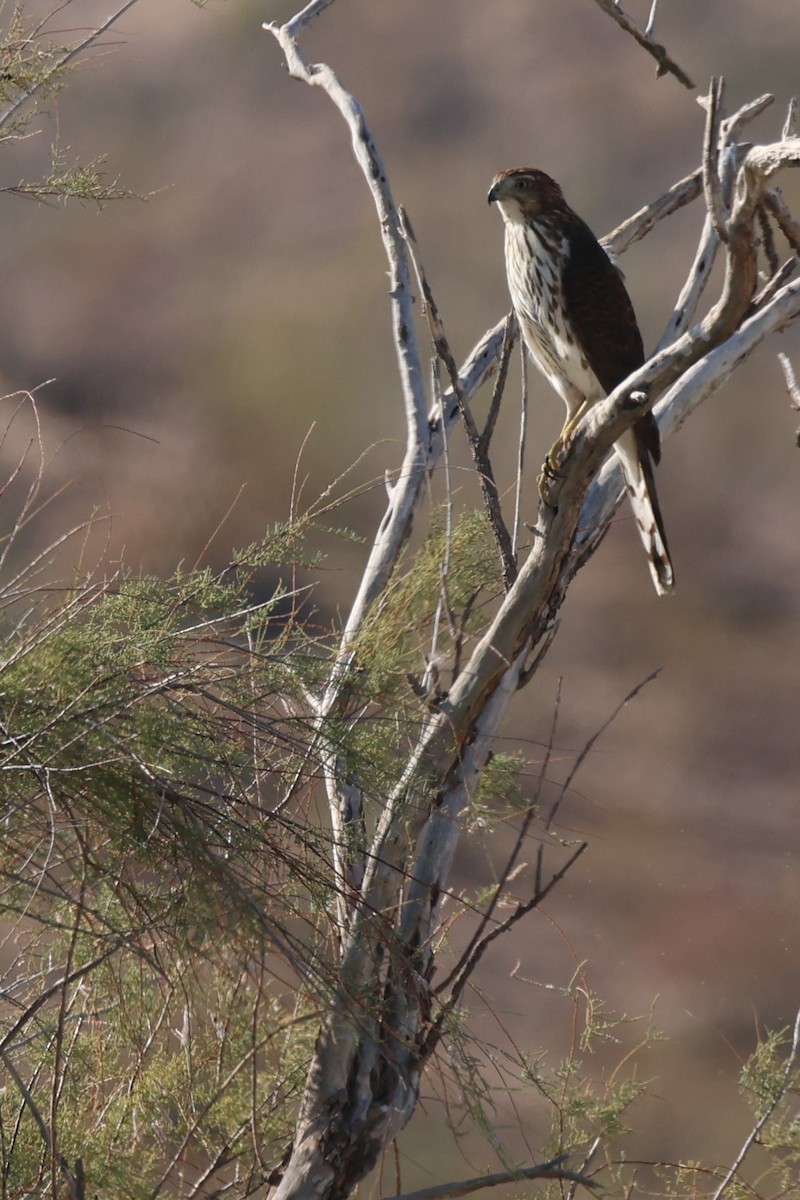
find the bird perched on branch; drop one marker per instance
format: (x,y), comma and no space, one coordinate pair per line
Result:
(580,328)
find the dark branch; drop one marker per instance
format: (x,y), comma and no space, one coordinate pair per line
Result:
(548,1170)
(477,442)
(509,338)
(666,65)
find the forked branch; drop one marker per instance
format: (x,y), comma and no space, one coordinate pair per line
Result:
(666,64)
(364,1081)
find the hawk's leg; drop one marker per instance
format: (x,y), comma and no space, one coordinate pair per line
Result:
(551,476)
(573,417)
(554,461)
(553,466)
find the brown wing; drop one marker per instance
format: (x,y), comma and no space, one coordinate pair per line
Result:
(602,318)
(599,308)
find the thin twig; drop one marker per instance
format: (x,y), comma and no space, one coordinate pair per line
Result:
(62,62)
(791,386)
(71,977)
(523,433)
(27,1097)
(791,380)
(509,337)
(592,742)
(521,910)
(443,605)
(779,1093)
(685,308)
(477,443)
(666,65)
(457,973)
(744,115)
(548,1170)
(585,1165)
(651,20)
(712,180)
(681,193)
(480,942)
(774,284)
(782,215)
(460,632)
(637,226)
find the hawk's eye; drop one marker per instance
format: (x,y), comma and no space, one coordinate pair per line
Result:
(521,184)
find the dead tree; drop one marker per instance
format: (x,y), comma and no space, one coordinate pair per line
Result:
(385,1018)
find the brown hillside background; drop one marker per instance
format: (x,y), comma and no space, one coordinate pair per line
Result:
(196,339)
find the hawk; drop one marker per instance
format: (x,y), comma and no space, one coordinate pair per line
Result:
(578,323)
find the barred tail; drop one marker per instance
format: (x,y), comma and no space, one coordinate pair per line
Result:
(637,469)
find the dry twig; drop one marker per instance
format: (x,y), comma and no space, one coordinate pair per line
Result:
(666,65)
(778,1095)
(549,1170)
(478,442)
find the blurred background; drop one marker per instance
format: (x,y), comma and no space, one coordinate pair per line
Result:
(185,348)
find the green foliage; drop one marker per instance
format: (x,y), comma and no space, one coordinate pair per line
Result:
(148,728)
(583,1105)
(73,181)
(34,66)
(450,569)
(167,883)
(770,1080)
(763,1075)
(29,60)
(500,792)
(162,1065)
(167,878)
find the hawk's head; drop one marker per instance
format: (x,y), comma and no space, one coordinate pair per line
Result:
(524,192)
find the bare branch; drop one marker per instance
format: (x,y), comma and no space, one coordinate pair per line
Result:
(364,1081)
(776,282)
(639,225)
(592,742)
(666,65)
(304,18)
(694,387)
(457,977)
(509,338)
(476,951)
(748,112)
(521,442)
(395,526)
(782,215)
(712,181)
(651,20)
(477,442)
(549,1170)
(635,227)
(689,298)
(791,380)
(791,387)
